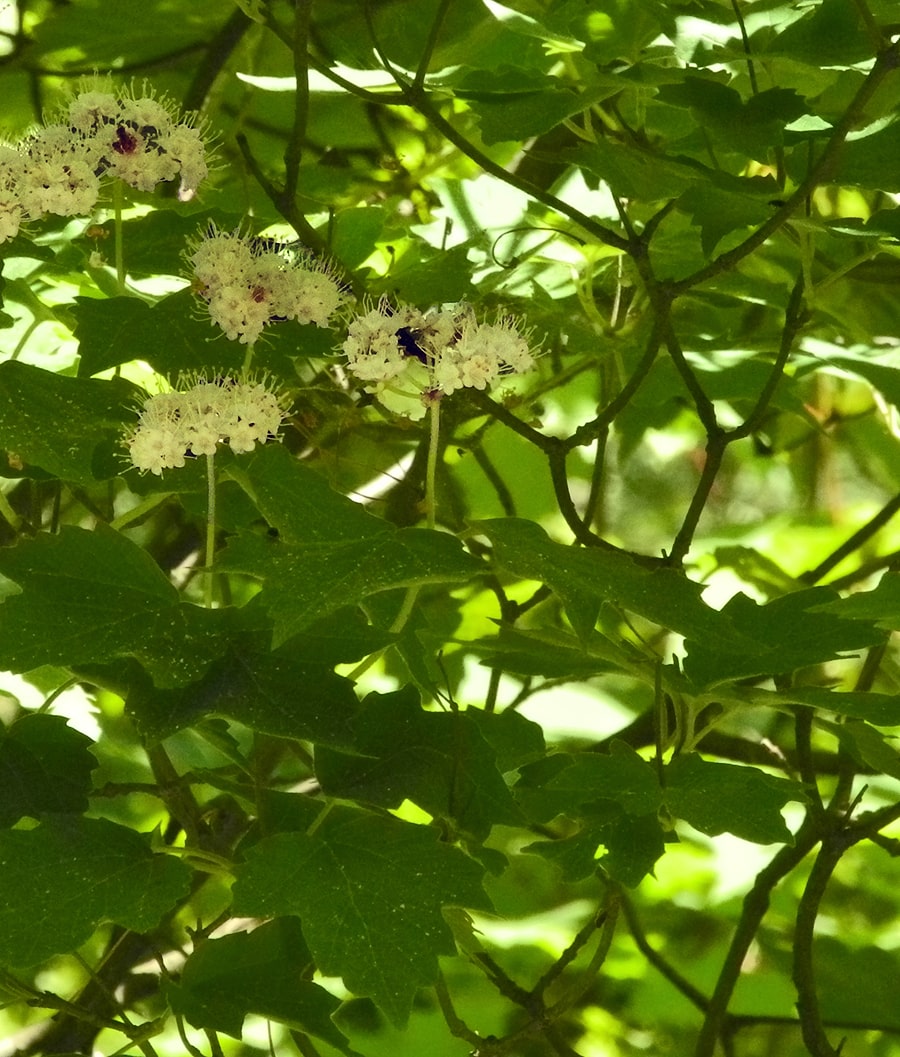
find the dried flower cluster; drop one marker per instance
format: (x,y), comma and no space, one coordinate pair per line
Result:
(174,425)
(248,283)
(434,352)
(60,167)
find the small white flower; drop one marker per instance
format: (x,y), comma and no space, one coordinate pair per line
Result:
(196,419)
(91,110)
(12,173)
(246,285)
(58,175)
(184,144)
(482,353)
(314,296)
(398,348)
(137,139)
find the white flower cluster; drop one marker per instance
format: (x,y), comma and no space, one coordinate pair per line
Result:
(248,282)
(434,352)
(60,167)
(175,425)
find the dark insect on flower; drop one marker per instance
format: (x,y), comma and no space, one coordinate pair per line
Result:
(126,142)
(259,244)
(408,340)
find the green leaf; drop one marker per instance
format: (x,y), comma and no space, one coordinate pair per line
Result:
(829,34)
(368,890)
(840,965)
(883,376)
(281,692)
(87,596)
(881,709)
(546,652)
(174,336)
(866,745)
(881,605)
(866,160)
(515,739)
(788,633)
(329,552)
(618,29)
(507,110)
(71,428)
(58,882)
(426,277)
(634,173)
(107,31)
(718,211)
(624,845)
(730,798)
(565,783)
(256,972)
(439,760)
(45,767)
(585,577)
(752,128)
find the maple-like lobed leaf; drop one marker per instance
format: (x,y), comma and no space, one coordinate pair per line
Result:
(368,890)
(61,880)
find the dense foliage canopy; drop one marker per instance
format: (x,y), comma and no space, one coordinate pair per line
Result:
(448,558)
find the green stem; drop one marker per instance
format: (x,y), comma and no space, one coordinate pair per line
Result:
(431,467)
(210,527)
(403,615)
(320,818)
(248,360)
(120,237)
(137,512)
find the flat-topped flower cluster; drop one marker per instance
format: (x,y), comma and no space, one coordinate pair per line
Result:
(400,349)
(249,282)
(102,135)
(194,420)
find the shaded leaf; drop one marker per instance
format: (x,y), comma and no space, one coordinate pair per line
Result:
(880,709)
(329,552)
(87,596)
(783,635)
(515,739)
(439,760)
(258,972)
(634,173)
(583,578)
(866,745)
(45,767)
(173,335)
(729,798)
(71,428)
(368,890)
(58,882)
(564,783)
(279,692)
(511,106)
(624,845)
(877,969)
